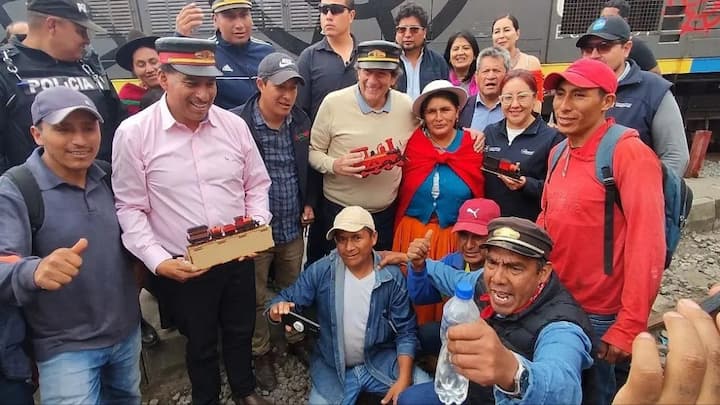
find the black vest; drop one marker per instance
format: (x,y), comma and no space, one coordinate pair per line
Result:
(519,331)
(37,71)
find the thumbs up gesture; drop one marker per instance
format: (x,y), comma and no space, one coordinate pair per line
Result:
(418,251)
(478,354)
(60,267)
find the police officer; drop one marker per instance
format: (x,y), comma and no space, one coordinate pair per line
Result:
(238,54)
(51,55)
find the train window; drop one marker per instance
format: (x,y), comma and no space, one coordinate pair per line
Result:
(116,16)
(579,14)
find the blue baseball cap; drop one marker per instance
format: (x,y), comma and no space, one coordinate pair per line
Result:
(55,104)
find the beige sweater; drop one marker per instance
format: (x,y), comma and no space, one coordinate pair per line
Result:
(339,127)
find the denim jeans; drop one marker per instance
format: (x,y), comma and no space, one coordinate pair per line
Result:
(357,380)
(604,371)
(110,375)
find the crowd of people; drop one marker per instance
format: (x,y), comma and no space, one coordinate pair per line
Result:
(374,155)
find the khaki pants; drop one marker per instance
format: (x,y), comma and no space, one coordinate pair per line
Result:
(286,260)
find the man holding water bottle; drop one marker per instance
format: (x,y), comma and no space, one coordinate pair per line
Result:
(532,341)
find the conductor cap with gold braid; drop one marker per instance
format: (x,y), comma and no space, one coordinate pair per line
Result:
(378,55)
(190,56)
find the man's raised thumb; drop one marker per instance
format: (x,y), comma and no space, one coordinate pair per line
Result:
(428,235)
(80,246)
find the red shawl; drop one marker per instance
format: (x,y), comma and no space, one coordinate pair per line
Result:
(421,160)
(130,94)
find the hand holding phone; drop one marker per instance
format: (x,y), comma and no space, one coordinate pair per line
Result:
(300,323)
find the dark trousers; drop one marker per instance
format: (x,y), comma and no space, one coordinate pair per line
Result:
(221,300)
(16,392)
(324,218)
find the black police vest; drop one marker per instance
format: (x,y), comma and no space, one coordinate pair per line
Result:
(518,332)
(24,73)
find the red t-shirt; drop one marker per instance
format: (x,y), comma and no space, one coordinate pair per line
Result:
(573,214)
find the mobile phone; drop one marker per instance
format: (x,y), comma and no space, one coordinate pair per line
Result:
(301,324)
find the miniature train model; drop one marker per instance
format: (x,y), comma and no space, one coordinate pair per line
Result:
(220,244)
(201,234)
(501,166)
(386,156)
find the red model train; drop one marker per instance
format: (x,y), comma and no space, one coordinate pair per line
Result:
(386,156)
(202,233)
(501,166)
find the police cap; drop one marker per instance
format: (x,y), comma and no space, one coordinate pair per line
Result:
(76,11)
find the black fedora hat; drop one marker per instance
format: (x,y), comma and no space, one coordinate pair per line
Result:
(135,40)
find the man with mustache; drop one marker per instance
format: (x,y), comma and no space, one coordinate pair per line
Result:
(180,163)
(421,65)
(493,63)
(282,133)
(533,343)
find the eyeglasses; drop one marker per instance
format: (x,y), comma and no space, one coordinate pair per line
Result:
(602,47)
(524,97)
(414,29)
(334,9)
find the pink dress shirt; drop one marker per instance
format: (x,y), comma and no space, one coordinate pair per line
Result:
(167,178)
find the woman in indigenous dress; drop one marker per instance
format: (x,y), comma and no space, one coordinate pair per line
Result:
(442,171)
(138,55)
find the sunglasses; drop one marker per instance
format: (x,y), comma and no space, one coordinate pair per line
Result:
(602,47)
(334,9)
(414,29)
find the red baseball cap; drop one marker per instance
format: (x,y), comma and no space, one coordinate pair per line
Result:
(586,73)
(475,214)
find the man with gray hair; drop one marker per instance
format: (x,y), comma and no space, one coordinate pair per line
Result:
(369,115)
(493,63)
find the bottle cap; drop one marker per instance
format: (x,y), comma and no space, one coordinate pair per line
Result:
(464,290)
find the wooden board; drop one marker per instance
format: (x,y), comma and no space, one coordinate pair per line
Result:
(231,247)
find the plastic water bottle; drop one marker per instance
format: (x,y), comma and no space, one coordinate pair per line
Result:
(451,387)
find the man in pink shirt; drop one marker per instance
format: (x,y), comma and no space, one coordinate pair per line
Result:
(184,162)
(618,297)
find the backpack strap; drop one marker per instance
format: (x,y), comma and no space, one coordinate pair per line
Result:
(556,156)
(603,169)
(25,181)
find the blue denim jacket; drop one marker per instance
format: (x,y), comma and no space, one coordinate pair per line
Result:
(391,327)
(562,350)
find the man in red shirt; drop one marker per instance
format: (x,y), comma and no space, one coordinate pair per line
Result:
(617,302)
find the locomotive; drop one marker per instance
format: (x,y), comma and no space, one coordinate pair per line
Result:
(202,233)
(501,166)
(385,156)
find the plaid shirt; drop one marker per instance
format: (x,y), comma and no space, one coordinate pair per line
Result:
(279,155)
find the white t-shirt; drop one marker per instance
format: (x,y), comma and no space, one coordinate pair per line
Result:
(513,133)
(356,308)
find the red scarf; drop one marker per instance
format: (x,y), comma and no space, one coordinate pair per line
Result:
(488,312)
(422,157)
